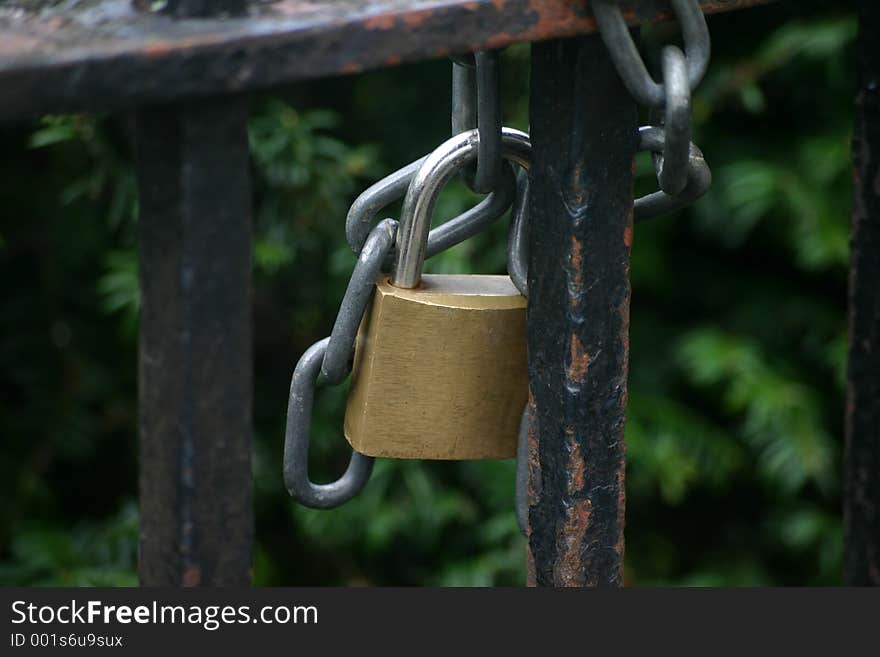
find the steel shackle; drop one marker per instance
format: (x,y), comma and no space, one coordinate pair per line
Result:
(425,187)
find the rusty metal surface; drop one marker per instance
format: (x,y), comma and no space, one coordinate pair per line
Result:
(195,380)
(862,480)
(105,54)
(584,137)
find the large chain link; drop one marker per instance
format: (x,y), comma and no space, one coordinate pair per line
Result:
(629,63)
(682,72)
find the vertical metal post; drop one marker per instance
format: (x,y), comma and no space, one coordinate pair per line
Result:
(862,469)
(584,137)
(195,344)
(195,340)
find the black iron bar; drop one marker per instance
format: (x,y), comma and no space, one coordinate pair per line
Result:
(862,469)
(584,137)
(195,344)
(105,54)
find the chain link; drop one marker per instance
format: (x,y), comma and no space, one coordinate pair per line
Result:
(698,178)
(340,349)
(672,164)
(393,187)
(682,72)
(476,103)
(628,61)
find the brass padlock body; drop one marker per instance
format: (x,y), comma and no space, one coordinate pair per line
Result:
(440,371)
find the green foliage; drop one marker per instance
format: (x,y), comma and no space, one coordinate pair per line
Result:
(738,334)
(779,416)
(86,555)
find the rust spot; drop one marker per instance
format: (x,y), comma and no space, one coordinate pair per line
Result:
(628,235)
(535,482)
(416,18)
(577,466)
(350,67)
(393,60)
(156,49)
(579,361)
(531,579)
(380,22)
(576,262)
(552,15)
(192,576)
(500,40)
(568,569)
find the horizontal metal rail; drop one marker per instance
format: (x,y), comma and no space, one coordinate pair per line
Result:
(106,54)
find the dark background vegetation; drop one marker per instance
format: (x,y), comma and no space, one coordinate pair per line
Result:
(738,333)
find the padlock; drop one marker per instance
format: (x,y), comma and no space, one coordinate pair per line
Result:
(440,366)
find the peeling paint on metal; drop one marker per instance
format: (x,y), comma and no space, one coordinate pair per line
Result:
(569,570)
(103,55)
(579,360)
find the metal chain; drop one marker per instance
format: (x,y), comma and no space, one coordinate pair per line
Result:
(332,356)
(448,158)
(340,349)
(628,61)
(476,103)
(682,173)
(672,164)
(682,72)
(393,187)
(651,139)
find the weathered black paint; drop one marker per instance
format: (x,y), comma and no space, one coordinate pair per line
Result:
(584,137)
(106,54)
(862,485)
(195,344)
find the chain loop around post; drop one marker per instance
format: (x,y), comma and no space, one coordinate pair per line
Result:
(652,139)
